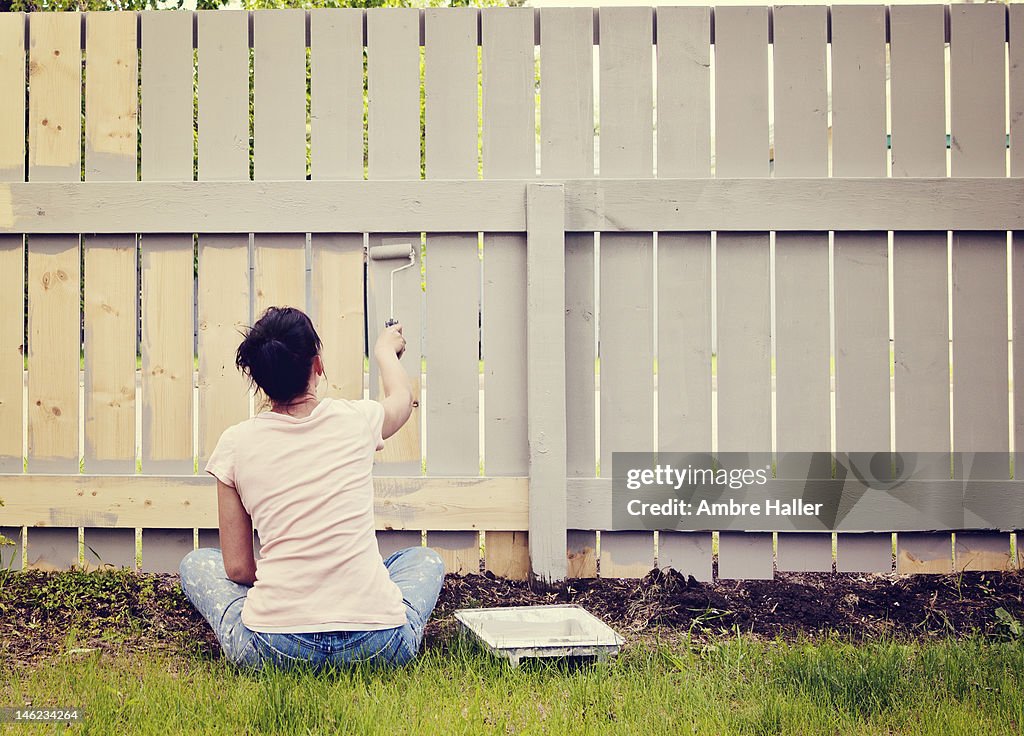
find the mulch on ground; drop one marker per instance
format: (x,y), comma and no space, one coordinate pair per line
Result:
(45,614)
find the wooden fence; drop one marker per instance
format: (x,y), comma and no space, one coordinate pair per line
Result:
(756,177)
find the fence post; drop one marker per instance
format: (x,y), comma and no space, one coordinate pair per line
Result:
(545,378)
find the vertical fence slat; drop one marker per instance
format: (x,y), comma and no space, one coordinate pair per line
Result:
(167,260)
(803,393)
(223,292)
(545,211)
(279,149)
(168,280)
(684,264)
(509,151)
(567,150)
(54,272)
(393,133)
(1017,169)
(452,343)
(12,247)
(742,273)
(980,348)
(626,331)
(860,263)
(10,555)
(336,119)
(223,298)
(920,285)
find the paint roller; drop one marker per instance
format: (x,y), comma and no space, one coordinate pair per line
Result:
(391,253)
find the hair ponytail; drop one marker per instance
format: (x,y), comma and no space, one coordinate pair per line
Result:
(278,351)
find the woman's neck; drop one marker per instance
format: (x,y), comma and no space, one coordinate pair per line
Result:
(299,407)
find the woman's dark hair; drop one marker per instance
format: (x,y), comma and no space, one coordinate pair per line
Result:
(277,353)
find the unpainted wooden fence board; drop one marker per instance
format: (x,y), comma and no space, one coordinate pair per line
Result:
(167,260)
(451,338)
(920,287)
(12,247)
(53,261)
(10,555)
(743,308)
(394,153)
(567,150)
(111,261)
(803,393)
(168,282)
(279,150)
(980,349)
(509,151)
(336,112)
(223,290)
(860,263)
(626,331)
(684,264)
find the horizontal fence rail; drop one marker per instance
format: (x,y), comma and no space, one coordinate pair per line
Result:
(608,205)
(698,230)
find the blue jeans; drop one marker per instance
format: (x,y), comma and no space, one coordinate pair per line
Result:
(417,571)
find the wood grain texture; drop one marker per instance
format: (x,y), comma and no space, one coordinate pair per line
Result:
(223,290)
(546,380)
(111,261)
(507,554)
(12,248)
(982,551)
(186,502)
(55,102)
(802,352)
(508,151)
(860,262)
(684,348)
(567,150)
(394,153)
(168,283)
(614,206)
(626,309)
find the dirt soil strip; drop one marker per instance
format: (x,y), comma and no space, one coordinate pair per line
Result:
(44,614)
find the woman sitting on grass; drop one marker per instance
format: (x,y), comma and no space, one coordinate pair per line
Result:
(301,474)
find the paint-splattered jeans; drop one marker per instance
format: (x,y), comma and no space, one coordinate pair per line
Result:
(417,571)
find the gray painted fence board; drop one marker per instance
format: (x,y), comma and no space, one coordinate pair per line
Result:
(626,309)
(393,115)
(979,294)
(684,264)
(860,262)
(12,256)
(337,262)
(567,150)
(10,556)
(546,381)
(1016,71)
(920,287)
(803,399)
(509,150)
(743,308)
(451,340)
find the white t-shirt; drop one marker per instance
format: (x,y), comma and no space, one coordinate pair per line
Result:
(307,484)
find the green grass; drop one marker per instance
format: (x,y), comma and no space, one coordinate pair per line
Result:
(734,685)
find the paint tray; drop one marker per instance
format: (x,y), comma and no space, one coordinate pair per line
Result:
(539,631)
